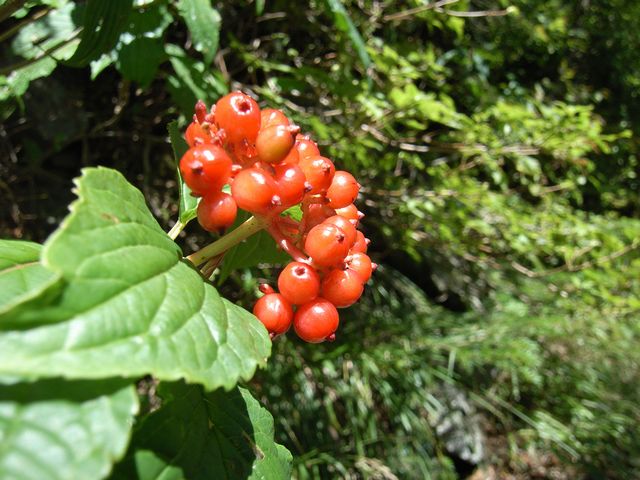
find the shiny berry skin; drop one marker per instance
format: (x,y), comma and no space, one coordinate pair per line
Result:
(326,244)
(361,244)
(362,265)
(316,214)
(239,115)
(341,287)
(316,321)
(217,211)
(306,147)
(346,226)
(274,143)
(275,313)
(291,184)
(254,190)
(271,116)
(319,172)
(350,212)
(196,135)
(343,189)
(205,168)
(299,283)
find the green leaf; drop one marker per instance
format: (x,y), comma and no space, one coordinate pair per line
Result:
(203,436)
(258,248)
(192,81)
(188,203)
(139,59)
(343,22)
(46,33)
(131,305)
(203,22)
(103,23)
(22,277)
(54,429)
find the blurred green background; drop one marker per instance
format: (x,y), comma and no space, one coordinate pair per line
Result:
(496,141)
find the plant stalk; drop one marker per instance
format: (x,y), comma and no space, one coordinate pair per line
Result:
(248,228)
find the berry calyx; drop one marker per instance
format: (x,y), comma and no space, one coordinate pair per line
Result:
(342,287)
(299,283)
(326,244)
(275,313)
(217,211)
(239,116)
(254,190)
(316,321)
(343,189)
(205,168)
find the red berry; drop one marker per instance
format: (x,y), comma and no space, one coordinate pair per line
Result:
(274,143)
(291,184)
(239,115)
(341,287)
(326,245)
(306,147)
(316,321)
(361,244)
(205,168)
(316,214)
(271,116)
(254,190)
(350,212)
(299,283)
(343,189)
(217,211)
(196,135)
(361,264)
(292,157)
(346,226)
(275,313)
(319,172)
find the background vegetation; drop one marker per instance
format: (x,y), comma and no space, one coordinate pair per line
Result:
(497,142)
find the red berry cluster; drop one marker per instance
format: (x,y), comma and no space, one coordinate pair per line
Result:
(270,168)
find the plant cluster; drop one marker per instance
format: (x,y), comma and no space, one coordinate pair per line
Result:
(271,168)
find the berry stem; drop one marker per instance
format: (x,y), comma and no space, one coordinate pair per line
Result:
(176,229)
(245,230)
(286,244)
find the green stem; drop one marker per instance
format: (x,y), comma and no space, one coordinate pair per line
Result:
(248,228)
(176,229)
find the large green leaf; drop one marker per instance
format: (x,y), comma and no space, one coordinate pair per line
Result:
(103,22)
(22,277)
(222,435)
(188,203)
(54,429)
(131,305)
(203,22)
